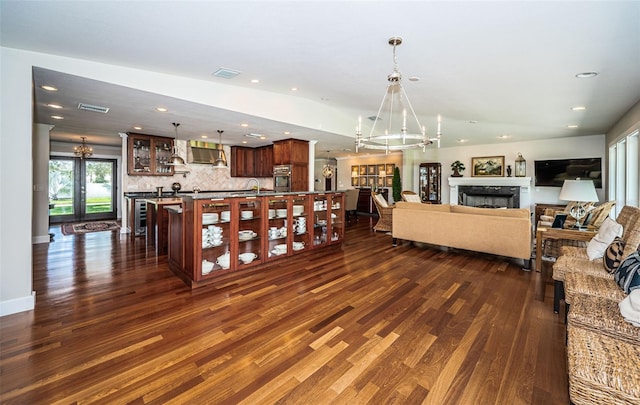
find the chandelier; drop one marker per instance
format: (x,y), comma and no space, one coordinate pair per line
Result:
(83,151)
(327,170)
(397,103)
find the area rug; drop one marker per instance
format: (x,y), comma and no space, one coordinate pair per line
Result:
(87,227)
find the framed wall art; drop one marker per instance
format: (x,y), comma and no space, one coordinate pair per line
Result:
(487,166)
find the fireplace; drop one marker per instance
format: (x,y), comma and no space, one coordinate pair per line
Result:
(489,196)
(511,192)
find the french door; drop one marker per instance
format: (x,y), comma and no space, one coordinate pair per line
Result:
(81,189)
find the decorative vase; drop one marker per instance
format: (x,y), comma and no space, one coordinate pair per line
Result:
(456,173)
(508,170)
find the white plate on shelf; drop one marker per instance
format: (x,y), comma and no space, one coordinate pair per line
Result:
(277,253)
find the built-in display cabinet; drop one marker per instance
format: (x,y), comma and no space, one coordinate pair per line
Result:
(148,155)
(210,237)
(430,176)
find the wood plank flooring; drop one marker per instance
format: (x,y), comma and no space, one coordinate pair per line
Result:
(361,323)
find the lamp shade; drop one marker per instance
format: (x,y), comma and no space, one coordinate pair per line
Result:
(578,190)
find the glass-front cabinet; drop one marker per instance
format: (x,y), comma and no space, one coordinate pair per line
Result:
(430,182)
(148,155)
(227,234)
(213,220)
(301,220)
(277,229)
(337,216)
(249,219)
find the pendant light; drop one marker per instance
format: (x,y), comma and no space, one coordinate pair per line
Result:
(221,161)
(175,159)
(327,170)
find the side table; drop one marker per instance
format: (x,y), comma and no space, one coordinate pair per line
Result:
(546,233)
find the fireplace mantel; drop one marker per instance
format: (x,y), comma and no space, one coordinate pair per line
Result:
(523,182)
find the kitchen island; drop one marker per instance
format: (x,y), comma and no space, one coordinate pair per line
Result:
(215,234)
(158,222)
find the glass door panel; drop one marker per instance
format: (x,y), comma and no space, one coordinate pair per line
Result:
(215,238)
(249,232)
(277,229)
(301,223)
(97,189)
(62,175)
(319,219)
(337,217)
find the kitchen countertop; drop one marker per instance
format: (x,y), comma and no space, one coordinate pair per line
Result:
(164,200)
(228,194)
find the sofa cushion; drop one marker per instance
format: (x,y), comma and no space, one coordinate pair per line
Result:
(628,274)
(509,212)
(607,233)
(613,255)
(381,200)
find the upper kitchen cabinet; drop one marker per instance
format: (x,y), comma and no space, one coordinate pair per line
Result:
(290,151)
(251,162)
(148,155)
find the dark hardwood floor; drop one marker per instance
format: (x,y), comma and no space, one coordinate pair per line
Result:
(361,323)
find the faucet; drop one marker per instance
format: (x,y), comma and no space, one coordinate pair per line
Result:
(257,183)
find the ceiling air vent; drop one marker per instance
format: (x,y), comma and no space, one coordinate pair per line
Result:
(255,136)
(93,108)
(226,73)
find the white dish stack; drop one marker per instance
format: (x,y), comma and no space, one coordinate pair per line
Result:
(298,210)
(225,216)
(246,214)
(209,218)
(211,236)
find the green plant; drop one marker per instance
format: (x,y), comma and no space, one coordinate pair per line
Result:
(396,185)
(457,166)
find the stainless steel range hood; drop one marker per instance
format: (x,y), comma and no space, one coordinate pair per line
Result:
(202,152)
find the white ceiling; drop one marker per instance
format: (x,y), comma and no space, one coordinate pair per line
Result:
(508,66)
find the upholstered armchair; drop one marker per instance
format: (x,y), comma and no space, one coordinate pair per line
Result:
(385,213)
(351,203)
(410,196)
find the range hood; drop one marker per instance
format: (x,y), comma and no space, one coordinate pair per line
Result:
(202,152)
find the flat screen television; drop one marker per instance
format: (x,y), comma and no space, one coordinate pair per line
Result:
(553,173)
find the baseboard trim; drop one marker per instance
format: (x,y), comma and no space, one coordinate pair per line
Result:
(18,305)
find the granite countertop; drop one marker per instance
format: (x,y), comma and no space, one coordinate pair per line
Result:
(164,200)
(227,194)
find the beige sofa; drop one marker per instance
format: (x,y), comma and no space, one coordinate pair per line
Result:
(503,232)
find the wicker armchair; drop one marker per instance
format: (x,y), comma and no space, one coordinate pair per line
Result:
(385,213)
(410,196)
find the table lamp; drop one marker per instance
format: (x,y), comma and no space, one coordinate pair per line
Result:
(580,191)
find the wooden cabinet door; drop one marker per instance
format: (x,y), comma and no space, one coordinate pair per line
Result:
(242,161)
(264,161)
(299,151)
(299,177)
(282,152)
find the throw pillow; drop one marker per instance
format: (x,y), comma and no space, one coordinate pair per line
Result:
(628,274)
(607,233)
(613,255)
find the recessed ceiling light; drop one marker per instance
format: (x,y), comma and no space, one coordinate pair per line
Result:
(473,122)
(255,81)
(245,142)
(414,79)
(586,75)
(244,125)
(162,109)
(578,108)
(294,89)
(203,136)
(48,88)
(504,136)
(57,117)
(462,140)
(572,126)
(137,128)
(263,137)
(57,106)
(286,132)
